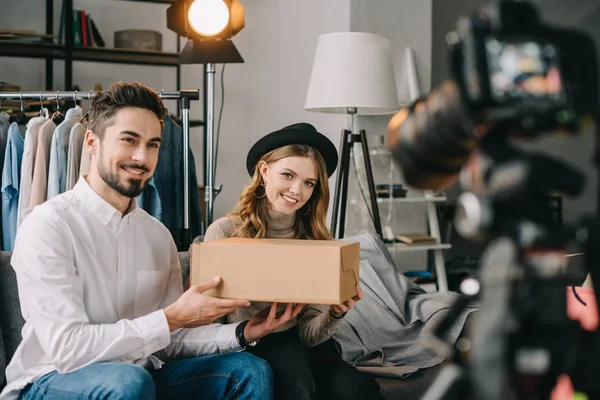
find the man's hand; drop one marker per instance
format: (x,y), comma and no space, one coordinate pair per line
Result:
(267,320)
(194,309)
(338,310)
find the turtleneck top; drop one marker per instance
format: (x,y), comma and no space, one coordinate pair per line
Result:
(314,323)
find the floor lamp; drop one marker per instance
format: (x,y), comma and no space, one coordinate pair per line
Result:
(352,74)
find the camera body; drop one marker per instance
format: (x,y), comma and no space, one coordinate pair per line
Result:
(515,70)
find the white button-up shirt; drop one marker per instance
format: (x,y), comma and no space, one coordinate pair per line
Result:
(93,284)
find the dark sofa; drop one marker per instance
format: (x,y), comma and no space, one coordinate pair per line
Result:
(11,323)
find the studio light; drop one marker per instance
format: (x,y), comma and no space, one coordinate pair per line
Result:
(209,25)
(206,20)
(208,17)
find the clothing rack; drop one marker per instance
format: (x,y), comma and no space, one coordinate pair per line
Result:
(185,96)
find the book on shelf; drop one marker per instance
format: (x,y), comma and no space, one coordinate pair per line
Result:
(415,238)
(85,31)
(20,35)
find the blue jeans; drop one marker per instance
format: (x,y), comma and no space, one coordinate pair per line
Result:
(222,376)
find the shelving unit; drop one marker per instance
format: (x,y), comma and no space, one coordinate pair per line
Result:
(434,231)
(397,247)
(10,48)
(70,53)
(413,199)
(387,173)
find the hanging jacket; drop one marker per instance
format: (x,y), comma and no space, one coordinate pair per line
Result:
(4,124)
(59,148)
(34,127)
(74,154)
(169,181)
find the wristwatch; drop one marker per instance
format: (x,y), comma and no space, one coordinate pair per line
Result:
(335,315)
(239,334)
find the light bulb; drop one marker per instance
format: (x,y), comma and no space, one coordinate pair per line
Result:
(208,17)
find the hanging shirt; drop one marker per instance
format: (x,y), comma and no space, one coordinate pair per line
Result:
(57,171)
(10,186)
(29,150)
(86,160)
(149,200)
(170,180)
(39,169)
(97,282)
(4,124)
(74,154)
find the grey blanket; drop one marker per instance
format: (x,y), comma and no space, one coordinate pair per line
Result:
(383,333)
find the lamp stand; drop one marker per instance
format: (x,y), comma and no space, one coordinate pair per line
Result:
(340,196)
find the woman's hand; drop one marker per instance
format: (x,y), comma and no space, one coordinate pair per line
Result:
(267,320)
(338,311)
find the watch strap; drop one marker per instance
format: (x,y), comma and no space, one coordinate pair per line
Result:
(239,334)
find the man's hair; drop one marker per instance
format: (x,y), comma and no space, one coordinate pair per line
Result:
(120,95)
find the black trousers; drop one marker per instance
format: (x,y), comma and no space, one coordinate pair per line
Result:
(315,373)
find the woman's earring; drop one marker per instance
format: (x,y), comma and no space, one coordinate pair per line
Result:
(307,211)
(264,185)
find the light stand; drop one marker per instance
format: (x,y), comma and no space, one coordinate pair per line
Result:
(340,196)
(209,53)
(209,25)
(185,116)
(209,194)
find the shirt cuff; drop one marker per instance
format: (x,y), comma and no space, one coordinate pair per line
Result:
(229,331)
(155,331)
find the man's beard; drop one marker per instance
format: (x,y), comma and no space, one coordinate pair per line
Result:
(112,179)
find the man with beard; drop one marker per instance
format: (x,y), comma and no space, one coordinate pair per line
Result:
(100,285)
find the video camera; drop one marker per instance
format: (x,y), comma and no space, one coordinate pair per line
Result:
(513,77)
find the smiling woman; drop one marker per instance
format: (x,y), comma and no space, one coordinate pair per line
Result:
(287,198)
(288,190)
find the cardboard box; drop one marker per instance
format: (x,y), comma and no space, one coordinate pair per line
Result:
(281,270)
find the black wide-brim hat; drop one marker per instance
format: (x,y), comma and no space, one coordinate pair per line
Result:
(301,133)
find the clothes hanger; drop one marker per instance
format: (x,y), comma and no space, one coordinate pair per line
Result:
(43,110)
(85,117)
(57,117)
(21,115)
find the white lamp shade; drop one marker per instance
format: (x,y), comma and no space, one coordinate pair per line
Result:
(352,70)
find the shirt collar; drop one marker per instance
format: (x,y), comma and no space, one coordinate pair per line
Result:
(95,204)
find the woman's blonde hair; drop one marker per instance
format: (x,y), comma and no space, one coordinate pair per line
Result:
(252,207)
